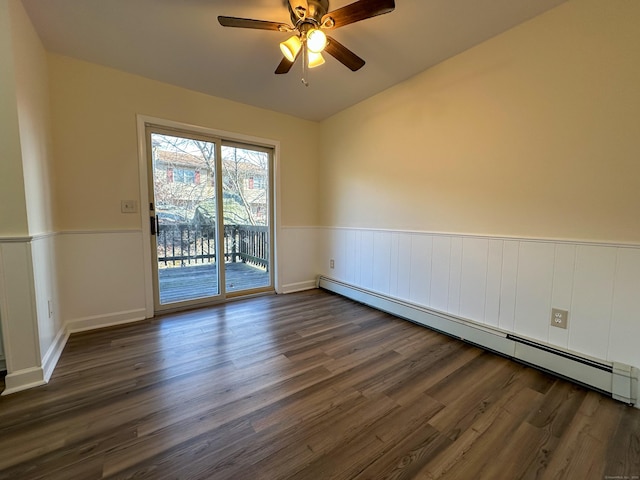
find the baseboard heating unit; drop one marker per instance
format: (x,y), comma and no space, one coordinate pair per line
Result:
(611,378)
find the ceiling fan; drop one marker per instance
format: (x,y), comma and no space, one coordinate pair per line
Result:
(309,19)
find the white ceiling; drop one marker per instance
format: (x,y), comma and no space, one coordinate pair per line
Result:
(180,42)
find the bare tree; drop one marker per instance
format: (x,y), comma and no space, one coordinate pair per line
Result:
(244,180)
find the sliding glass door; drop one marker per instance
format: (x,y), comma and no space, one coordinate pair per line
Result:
(210,217)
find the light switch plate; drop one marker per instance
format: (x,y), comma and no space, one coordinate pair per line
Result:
(128,206)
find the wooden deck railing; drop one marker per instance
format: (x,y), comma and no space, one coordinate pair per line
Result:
(184,244)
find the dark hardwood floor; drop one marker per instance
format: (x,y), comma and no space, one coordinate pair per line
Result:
(305,386)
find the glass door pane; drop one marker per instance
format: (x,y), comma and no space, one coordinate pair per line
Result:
(246,192)
(184,196)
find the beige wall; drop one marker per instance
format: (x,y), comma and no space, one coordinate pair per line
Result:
(32,95)
(533,133)
(95,142)
(13,209)
(28,283)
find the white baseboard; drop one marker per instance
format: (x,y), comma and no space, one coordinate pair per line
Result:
(37,376)
(102,321)
(52,356)
(23,380)
(299,286)
(617,380)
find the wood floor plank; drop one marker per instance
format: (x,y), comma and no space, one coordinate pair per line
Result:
(153,439)
(304,386)
(496,392)
(623,450)
(352,455)
(582,449)
(473,450)
(407,457)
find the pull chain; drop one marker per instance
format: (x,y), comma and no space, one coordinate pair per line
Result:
(305,63)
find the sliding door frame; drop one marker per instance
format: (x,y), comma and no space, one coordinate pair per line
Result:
(225,137)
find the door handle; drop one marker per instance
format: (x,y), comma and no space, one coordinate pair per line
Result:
(153,224)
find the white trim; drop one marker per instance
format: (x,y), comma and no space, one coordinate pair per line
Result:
(100,232)
(301,227)
(42,236)
(51,358)
(23,380)
(101,321)
(212,132)
(597,243)
(298,286)
(28,239)
(143,173)
(15,239)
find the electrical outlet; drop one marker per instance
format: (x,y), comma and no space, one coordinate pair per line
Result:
(559,318)
(332,264)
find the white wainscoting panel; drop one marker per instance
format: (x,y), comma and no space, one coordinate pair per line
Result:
(625,322)
(51,329)
(534,283)
(394,267)
(349,255)
(440,273)
(592,300)
(455,275)
(17,307)
(344,262)
(494,283)
(50,324)
(100,276)
(367,259)
(382,274)
(473,285)
(18,317)
(508,283)
(402,265)
(3,364)
(419,264)
(562,293)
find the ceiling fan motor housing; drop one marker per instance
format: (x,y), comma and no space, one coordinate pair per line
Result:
(316,9)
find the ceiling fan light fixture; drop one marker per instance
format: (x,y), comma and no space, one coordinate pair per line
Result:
(316,40)
(291,47)
(315,59)
(308,20)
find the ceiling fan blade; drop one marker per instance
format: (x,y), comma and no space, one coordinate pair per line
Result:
(250,23)
(343,55)
(284,66)
(360,10)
